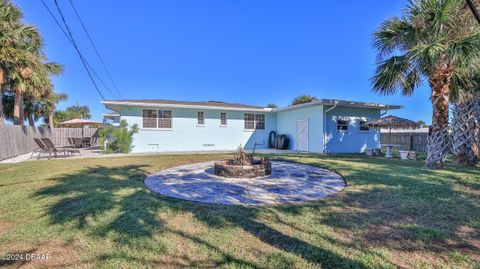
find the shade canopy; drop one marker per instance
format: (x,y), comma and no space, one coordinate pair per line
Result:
(392,122)
(80,122)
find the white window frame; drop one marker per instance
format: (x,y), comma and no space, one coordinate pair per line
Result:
(163,119)
(345,125)
(254,120)
(223,124)
(200,118)
(360,126)
(160,119)
(152,119)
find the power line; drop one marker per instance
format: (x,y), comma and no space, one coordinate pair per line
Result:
(72,41)
(95,48)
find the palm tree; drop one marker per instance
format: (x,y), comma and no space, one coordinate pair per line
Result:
(49,106)
(465,128)
(9,18)
(20,54)
(464,132)
(436,40)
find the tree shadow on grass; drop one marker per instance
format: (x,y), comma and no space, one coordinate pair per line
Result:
(404,208)
(113,202)
(399,205)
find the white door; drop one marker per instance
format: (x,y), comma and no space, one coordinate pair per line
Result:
(301,138)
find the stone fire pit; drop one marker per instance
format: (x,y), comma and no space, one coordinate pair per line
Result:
(256,168)
(245,180)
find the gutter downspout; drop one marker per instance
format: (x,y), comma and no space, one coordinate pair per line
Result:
(325,126)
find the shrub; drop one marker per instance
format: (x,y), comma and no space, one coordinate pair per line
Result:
(302,99)
(118,139)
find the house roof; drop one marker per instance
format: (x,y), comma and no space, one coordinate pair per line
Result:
(219,105)
(341,103)
(185,104)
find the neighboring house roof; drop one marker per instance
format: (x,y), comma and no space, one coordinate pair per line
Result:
(419,130)
(393,122)
(341,103)
(113,105)
(185,104)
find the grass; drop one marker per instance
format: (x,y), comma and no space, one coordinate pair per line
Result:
(97,213)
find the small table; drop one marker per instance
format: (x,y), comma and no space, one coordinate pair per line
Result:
(389,147)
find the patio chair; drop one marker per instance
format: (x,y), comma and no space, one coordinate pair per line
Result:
(94,141)
(41,148)
(55,150)
(71,142)
(77,142)
(87,142)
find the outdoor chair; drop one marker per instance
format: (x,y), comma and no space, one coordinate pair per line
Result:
(41,148)
(55,150)
(71,142)
(87,142)
(94,141)
(77,142)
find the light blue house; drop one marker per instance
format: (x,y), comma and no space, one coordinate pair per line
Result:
(323,126)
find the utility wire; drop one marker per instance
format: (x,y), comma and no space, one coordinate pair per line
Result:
(72,41)
(474,10)
(95,48)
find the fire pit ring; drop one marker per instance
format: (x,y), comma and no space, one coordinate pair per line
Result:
(257,168)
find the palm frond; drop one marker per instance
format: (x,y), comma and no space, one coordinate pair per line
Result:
(393,34)
(394,74)
(465,53)
(54,68)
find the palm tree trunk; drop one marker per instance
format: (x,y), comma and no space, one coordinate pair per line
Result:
(474,158)
(17,108)
(438,139)
(2,116)
(31,121)
(464,148)
(50,120)
(2,81)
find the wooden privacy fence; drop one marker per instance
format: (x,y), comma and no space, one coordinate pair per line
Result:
(408,141)
(16,140)
(61,135)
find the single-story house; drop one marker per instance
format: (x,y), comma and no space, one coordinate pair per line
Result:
(323,126)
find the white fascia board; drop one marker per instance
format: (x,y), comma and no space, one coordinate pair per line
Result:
(341,104)
(185,106)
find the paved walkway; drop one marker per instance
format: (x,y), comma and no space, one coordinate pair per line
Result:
(289,183)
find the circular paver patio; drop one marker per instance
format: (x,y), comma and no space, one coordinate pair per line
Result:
(288,183)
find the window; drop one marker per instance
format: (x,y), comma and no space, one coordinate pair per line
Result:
(149,118)
(249,121)
(342,125)
(157,118)
(254,121)
(259,121)
(165,119)
(200,118)
(223,119)
(363,125)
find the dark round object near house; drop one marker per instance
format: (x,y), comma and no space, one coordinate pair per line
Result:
(258,168)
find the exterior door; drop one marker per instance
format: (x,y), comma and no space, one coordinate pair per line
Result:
(301,137)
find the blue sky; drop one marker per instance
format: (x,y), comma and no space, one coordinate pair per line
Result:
(252,52)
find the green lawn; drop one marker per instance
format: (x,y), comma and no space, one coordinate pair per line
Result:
(97,213)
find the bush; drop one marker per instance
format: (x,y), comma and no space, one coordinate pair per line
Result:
(118,139)
(302,99)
